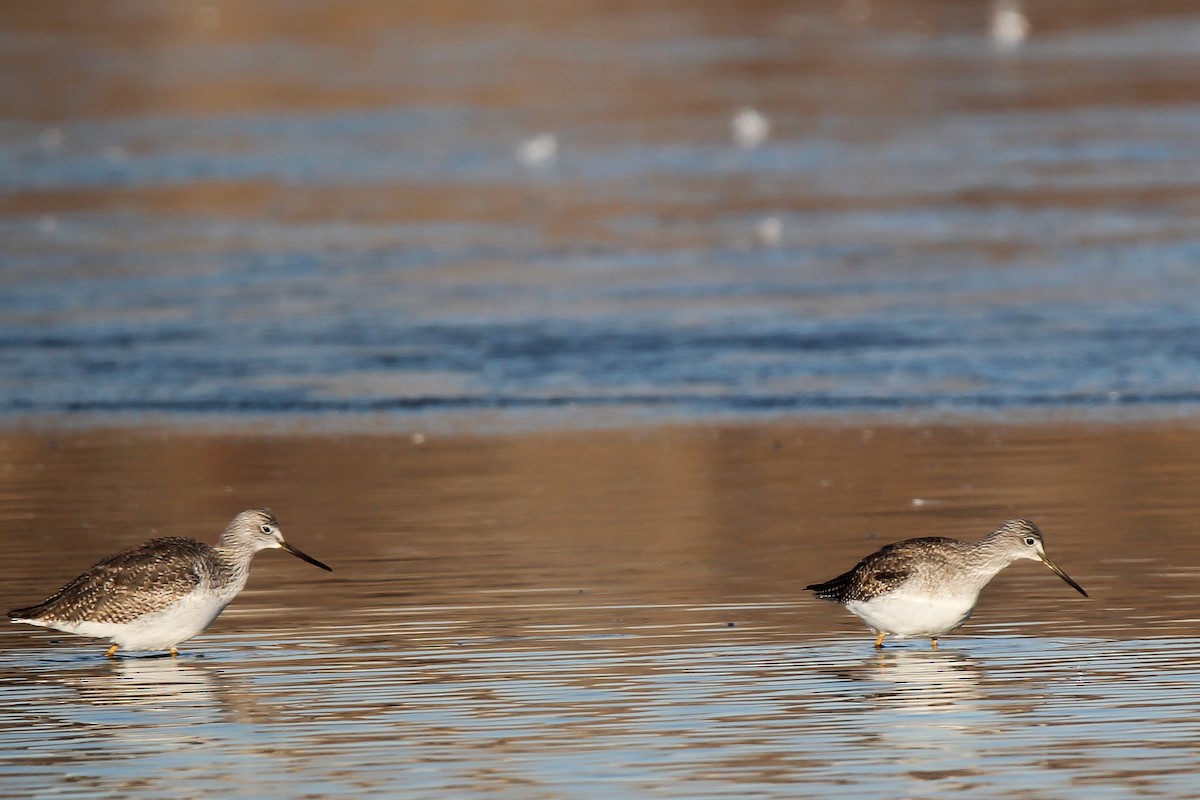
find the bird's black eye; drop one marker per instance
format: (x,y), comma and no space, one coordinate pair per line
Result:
(1030,541)
(267,529)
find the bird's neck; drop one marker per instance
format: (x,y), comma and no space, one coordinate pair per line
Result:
(991,557)
(234,559)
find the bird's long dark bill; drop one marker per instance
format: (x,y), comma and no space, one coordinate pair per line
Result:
(316,563)
(1054,568)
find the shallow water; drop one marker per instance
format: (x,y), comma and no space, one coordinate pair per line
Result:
(304,220)
(614,613)
(301,209)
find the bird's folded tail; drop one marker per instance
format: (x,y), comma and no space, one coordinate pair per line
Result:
(834,589)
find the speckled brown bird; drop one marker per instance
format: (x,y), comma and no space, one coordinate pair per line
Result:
(163,592)
(923,588)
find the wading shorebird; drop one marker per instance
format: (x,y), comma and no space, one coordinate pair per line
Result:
(923,588)
(163,592)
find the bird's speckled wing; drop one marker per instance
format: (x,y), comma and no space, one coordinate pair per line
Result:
(123,587)
(885,569)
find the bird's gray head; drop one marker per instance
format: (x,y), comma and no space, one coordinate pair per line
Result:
(256,530)
(1020,538)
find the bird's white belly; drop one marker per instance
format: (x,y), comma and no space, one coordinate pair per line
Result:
(914,614)
(160,630)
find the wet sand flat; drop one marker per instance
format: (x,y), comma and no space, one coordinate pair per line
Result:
(570,613)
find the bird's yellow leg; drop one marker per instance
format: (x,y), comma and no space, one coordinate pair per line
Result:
(879,640)
(110,652)
(934,641)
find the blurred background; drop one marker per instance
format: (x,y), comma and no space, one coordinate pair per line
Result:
(577,336)
(580,210)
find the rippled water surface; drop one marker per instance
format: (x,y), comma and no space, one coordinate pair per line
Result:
(307,208)
(575,391)
(613,614)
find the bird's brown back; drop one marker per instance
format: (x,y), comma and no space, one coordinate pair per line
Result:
(123,587)
(887,568)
